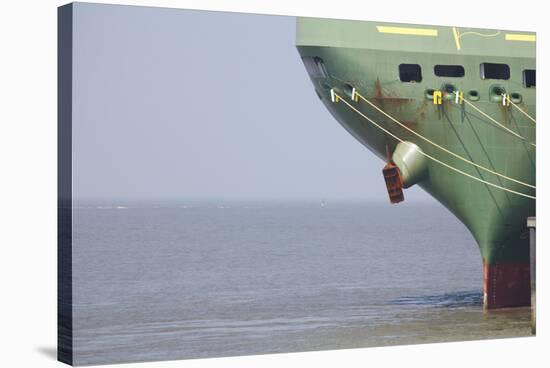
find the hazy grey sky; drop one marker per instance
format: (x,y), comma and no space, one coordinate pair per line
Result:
(191,105)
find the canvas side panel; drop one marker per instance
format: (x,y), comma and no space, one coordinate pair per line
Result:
(64,183)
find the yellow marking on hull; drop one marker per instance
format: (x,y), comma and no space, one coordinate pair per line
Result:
(408,31)
(520,37)
(437,97)
(457,37)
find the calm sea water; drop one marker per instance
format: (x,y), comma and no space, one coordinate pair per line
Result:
(194,280)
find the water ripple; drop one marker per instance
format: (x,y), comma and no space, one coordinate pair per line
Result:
(447,300)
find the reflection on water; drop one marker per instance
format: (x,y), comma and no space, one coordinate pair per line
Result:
(187,280)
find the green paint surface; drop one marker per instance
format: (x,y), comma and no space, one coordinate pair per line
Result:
(356,54)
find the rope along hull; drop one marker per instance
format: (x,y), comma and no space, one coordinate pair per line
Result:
(355,55)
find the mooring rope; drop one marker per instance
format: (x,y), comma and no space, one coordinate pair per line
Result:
(496,122)
(520,109)
(339,98)
(440,147)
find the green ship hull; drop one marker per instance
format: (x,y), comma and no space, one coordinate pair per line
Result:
(366,56)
